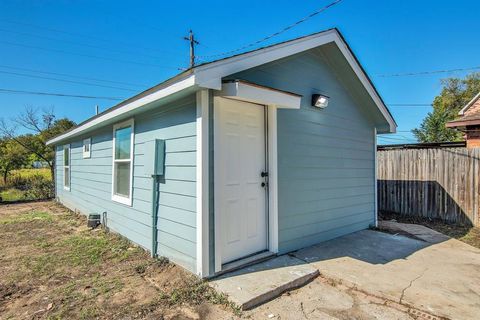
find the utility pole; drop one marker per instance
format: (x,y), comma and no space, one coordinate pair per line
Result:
(193,42)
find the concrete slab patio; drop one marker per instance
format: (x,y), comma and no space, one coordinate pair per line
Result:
(440,278)
(256,284)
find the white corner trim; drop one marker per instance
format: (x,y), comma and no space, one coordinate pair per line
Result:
(259,94)
(202,184)
(138,103)
(217,190)
(375,174)
(115,197)
(469,104)
(272,179)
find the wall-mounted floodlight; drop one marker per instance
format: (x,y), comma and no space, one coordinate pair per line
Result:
(319,101)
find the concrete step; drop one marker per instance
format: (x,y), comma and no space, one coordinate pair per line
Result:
(256,284)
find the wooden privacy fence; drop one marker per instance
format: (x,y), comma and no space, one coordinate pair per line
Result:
(437,183)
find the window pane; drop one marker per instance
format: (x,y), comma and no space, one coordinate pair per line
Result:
(122,178)
(66,177)
(86,145)
(66,156)
(122,143)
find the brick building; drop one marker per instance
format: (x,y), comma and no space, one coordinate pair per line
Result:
(469,122)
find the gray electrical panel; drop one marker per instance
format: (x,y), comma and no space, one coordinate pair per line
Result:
(155,157)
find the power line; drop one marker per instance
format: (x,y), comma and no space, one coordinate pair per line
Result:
(410,105)
(74,76)
(276,33)
(83,44)
(2,90)
(399,139)
(75,34)
(67,81)
(88,55)
(420,73)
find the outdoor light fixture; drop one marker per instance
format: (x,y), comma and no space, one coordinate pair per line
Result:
(319,101)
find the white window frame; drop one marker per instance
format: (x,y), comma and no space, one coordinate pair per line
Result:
(67,147)
(87,153)
(116,197)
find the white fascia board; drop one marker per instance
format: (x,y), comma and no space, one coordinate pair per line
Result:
(468,105)
(261,95)
(210,75)
(366,83)
(154,96)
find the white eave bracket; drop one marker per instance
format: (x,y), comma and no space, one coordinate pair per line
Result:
(251,92)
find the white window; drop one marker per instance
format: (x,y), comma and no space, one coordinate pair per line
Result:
(66,167)
(86,148)
(123,134)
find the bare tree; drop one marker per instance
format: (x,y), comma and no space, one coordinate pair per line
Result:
(41,125)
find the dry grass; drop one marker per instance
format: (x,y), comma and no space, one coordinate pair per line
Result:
(53,267)
(467,234)
(27,173)
(19,182)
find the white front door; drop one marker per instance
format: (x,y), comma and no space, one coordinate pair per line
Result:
(240,193)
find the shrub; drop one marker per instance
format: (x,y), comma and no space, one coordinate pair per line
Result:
(18,181)
(38,187)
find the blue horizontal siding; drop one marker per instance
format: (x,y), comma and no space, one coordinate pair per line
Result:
(91,182)
(325,156)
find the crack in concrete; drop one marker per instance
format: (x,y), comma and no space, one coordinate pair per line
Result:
(410,285)
(303,310)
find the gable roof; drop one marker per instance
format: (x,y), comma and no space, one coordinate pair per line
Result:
(470,104)
(468,115)
(209,75)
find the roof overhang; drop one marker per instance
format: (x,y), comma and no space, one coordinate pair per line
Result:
(462,123)
(126,108)
(210,75)
(251,92)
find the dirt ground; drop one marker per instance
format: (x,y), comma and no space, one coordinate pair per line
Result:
(53,267)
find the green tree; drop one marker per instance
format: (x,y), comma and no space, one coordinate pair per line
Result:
(41,127)
(455,94)
(12,156)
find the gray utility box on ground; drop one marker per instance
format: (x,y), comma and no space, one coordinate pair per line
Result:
(155,157)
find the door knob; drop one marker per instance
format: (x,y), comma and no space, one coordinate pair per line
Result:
(263,184)
(264,174)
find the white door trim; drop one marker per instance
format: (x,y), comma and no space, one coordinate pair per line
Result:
(202,185)
(272,179)
(272,192)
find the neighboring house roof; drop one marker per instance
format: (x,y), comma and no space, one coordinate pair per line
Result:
(470,114)
(209,75)
(475,101)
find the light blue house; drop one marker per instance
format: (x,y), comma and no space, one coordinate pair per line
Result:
(258,154)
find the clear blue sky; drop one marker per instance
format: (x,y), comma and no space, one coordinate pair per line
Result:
(139,43)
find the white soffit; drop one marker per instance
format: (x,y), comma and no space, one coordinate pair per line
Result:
(259,94)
